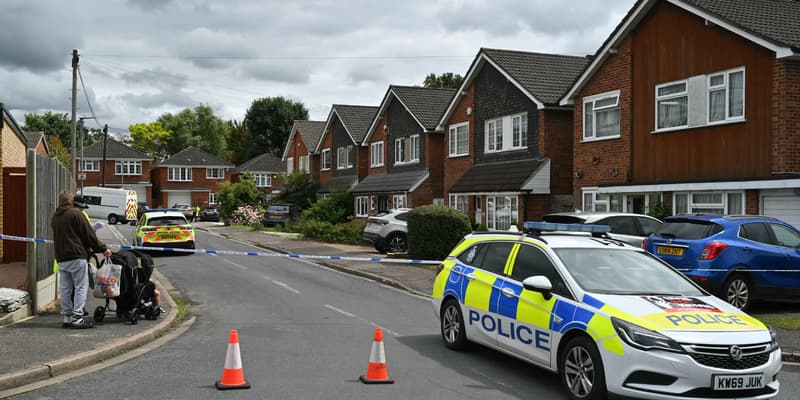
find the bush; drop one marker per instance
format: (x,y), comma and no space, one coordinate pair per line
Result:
(658,210)
(336,208)
(349,232)
(434,230)
(247,215)
(299,189)
(231,196)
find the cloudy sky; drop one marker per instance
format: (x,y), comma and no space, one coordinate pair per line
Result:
(142,58)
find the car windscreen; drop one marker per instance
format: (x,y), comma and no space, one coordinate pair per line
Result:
(618,271)
(688,229)
(563,219)
(166,221)
(278,209)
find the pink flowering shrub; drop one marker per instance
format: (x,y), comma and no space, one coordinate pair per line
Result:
(247,215)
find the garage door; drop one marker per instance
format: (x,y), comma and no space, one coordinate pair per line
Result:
(782,204)
(179,198)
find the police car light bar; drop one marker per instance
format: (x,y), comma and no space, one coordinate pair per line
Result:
(554,227)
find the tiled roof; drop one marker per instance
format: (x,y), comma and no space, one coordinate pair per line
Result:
(497,177)
(266,162)
(310,132)
(357,119)
(194,157)
(545,76)
(392,182)
(775,20)
(426,104)
(338,183)
(114,150)
(34,138)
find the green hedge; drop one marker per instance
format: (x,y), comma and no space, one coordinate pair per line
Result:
(433,231)
(349,232)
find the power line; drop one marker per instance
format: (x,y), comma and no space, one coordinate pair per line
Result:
(86,96)
(412,57)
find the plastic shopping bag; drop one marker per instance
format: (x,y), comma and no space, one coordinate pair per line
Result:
(108,276)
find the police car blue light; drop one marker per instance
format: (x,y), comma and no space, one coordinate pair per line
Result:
(555,227)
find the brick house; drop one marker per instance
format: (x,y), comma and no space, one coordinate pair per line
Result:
(507,142)
(266,170)
(342,160)
(13,149)
(404,151)
(38,142)
(124,167)
(299,153)
(191,176)
(695,105)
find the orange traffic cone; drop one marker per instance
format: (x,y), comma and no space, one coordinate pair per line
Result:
(376,371)
(233,375)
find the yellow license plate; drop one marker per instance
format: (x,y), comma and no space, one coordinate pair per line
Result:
(168,236)
(670,251)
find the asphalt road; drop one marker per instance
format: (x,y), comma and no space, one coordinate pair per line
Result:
(306,332)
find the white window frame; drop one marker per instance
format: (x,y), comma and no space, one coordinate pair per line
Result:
(372,202)
(341,158)
(90,165)
(289,165)
(458,138)
(725,205)
(726,88)
(459,202)
(376,154)
(302,165)
(672,96)
(591,135)
(179,174)
(262,180)
(215,173)
(399,201)
(348,158)
(400,150)
(325,156)
(212,198)
(127,168)
(413,149)
(500,133)
(492,210)
(593,201)
(362,206)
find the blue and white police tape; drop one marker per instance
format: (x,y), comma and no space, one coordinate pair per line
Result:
(239,253)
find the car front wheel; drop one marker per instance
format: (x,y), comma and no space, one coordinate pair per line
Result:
(396,243)
(738,291)
(451,320)
(581,370)
(113,219)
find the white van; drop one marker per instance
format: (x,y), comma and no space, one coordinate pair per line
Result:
(116,205)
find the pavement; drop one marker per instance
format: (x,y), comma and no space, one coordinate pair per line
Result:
(35,348)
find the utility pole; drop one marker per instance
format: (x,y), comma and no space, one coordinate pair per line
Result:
(105,140)
(74,109)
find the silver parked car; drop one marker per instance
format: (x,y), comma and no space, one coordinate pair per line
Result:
(627,227)
(388,231)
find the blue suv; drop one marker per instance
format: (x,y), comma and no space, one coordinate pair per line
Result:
(738,258)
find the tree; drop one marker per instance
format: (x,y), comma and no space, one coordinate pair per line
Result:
(298,189)
(269,121)
(234,195)
(238,142)
(445,80)
(199,128)
(58,150)
(51,124)
(150,138)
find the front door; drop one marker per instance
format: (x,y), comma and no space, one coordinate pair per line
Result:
(478,210)
(635,204)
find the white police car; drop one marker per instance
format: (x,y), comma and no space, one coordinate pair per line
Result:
(606,316)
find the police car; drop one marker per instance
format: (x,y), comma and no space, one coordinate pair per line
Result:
(609,318)
(164,228)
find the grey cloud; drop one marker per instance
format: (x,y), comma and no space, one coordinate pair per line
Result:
(366,74)
(210,49)
(150,5)
(156,77)
(35,39)
(285,71)
(159,100)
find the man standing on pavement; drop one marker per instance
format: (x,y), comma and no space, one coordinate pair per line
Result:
(72,236)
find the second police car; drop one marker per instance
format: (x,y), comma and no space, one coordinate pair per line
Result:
(606,316)
(164,227)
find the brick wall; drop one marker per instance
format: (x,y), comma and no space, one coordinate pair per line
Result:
(327,143)
(199,180)
(786,117)
(379,135)
(555,142)
(533,207)
(454,168)
(13,149)
(297,150)
(751,200)
(607,161)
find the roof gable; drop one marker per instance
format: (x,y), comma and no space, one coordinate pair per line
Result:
(355,119)
(773,24)
(7,118)
(310,133)
(425,105)
(194,157)
(544,78)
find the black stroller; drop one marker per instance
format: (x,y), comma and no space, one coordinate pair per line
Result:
(136,291)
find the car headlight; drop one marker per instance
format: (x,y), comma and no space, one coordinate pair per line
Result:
(773,343)
(644,339)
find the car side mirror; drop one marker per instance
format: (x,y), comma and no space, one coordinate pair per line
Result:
(539,283)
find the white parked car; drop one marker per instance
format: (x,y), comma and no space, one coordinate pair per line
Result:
(388,232)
